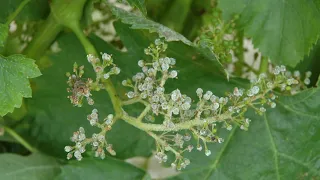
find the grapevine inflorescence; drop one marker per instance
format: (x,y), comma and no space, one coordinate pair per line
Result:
(183,118)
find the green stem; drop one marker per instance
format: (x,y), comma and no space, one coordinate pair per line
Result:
(263,65)
(116,102)
(19,139)
(178,126)
(16,12)
(186,124)
(89,48)
(144,113)
(43,38)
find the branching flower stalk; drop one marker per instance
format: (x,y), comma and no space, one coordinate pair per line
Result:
(183,117)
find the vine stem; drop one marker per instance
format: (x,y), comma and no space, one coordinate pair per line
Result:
(16,12)
(182,125)
(43,38)
(178,126)
(19,139)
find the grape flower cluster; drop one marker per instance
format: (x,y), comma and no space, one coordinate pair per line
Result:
(80,88)
(200,118)
(183,118)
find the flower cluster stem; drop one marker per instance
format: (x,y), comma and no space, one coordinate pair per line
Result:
(144,113)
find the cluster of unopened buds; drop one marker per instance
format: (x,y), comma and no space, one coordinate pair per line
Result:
(183,117)
(80,87)
(97,141)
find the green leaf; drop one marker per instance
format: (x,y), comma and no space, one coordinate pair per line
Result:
(140,22)
(14,84)
(101,169)
(282,30)
(33,11)
(140,4)
(283,144)
(33,167)
(4,29)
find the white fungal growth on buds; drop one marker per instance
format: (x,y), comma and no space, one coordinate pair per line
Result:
(106,57)
(182,117)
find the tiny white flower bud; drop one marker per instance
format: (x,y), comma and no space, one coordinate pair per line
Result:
(124,82)
(308,74)
(106,57)
(215,106)
(306,81)
(175,111)
(199,148)
(208,152)
(296,73)
(106,76)
(164,67)
(67,148)
(130,94)
(172,61)
(115,70)
(255,89)
(199,92)
(140,63)
(276,70)
(173,74)
(262,109)
(207,95)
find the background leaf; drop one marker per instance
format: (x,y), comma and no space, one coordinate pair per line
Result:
(283,144)
(33,167)
(14,73)
(101,169)
(282,30)
(35,10)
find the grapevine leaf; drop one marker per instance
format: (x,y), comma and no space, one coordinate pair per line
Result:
(33,167)
(100,169)
(3,34)
(33,11)
(14,85)
(282,30)
(282,144)
(140,22)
